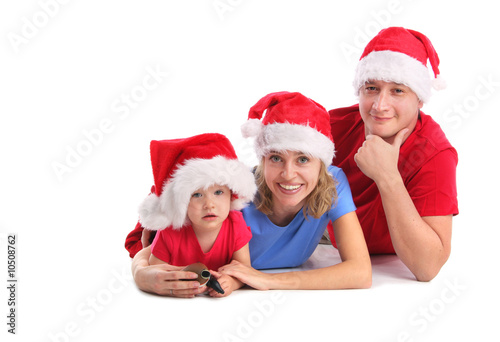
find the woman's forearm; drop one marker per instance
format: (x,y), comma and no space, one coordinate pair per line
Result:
(346,275)
(350,274)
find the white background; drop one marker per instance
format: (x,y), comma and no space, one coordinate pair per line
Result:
(66,68)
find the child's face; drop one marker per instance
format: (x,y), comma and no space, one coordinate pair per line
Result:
(208,208)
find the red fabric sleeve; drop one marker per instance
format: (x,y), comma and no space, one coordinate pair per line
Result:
(242,231)
(433,189)
(160,246)
(133,242)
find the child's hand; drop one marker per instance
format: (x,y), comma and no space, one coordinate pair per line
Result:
(226,282)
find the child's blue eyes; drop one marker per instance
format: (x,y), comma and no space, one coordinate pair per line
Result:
(198,194)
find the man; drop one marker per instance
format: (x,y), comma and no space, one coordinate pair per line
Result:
(401,167)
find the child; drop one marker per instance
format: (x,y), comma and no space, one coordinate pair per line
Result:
(199,186)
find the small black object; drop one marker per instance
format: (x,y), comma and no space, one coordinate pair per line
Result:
(214,284)
(204,276)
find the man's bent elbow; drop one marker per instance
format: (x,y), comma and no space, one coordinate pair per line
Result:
(428,273)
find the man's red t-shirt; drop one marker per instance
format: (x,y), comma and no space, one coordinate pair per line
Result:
(427,163)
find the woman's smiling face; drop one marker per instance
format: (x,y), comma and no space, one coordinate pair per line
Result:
(291,176)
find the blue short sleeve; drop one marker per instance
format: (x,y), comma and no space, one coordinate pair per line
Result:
(344,203)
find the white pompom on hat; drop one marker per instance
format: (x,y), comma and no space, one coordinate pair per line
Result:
(292,122)
(181,166)
(400,55)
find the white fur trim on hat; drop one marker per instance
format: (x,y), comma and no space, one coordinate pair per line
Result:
(439,83)
(282,137)
(252,128)
(170,208)
(391,66)
(150,214)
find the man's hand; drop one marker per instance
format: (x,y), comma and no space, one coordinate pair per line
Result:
(377,159)
(164,279)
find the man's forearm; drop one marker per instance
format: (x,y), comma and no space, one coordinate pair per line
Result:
(419,245)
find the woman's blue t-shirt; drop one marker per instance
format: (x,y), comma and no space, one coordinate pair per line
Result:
(273,246)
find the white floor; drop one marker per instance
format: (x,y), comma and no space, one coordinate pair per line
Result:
(89,295)
(396,308)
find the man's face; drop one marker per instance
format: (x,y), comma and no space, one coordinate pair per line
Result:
(388,107)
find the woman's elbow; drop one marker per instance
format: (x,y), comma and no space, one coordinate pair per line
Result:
(364,279)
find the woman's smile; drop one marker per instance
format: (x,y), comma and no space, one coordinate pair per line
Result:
(291,176)
(289,187)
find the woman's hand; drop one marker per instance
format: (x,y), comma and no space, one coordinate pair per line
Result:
(246,274)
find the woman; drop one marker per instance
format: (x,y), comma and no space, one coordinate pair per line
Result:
(299,194)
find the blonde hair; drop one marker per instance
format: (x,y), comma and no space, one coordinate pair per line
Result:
(319,201)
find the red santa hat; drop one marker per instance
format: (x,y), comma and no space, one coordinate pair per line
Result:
(400,55)
(181,166)
(292,122)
